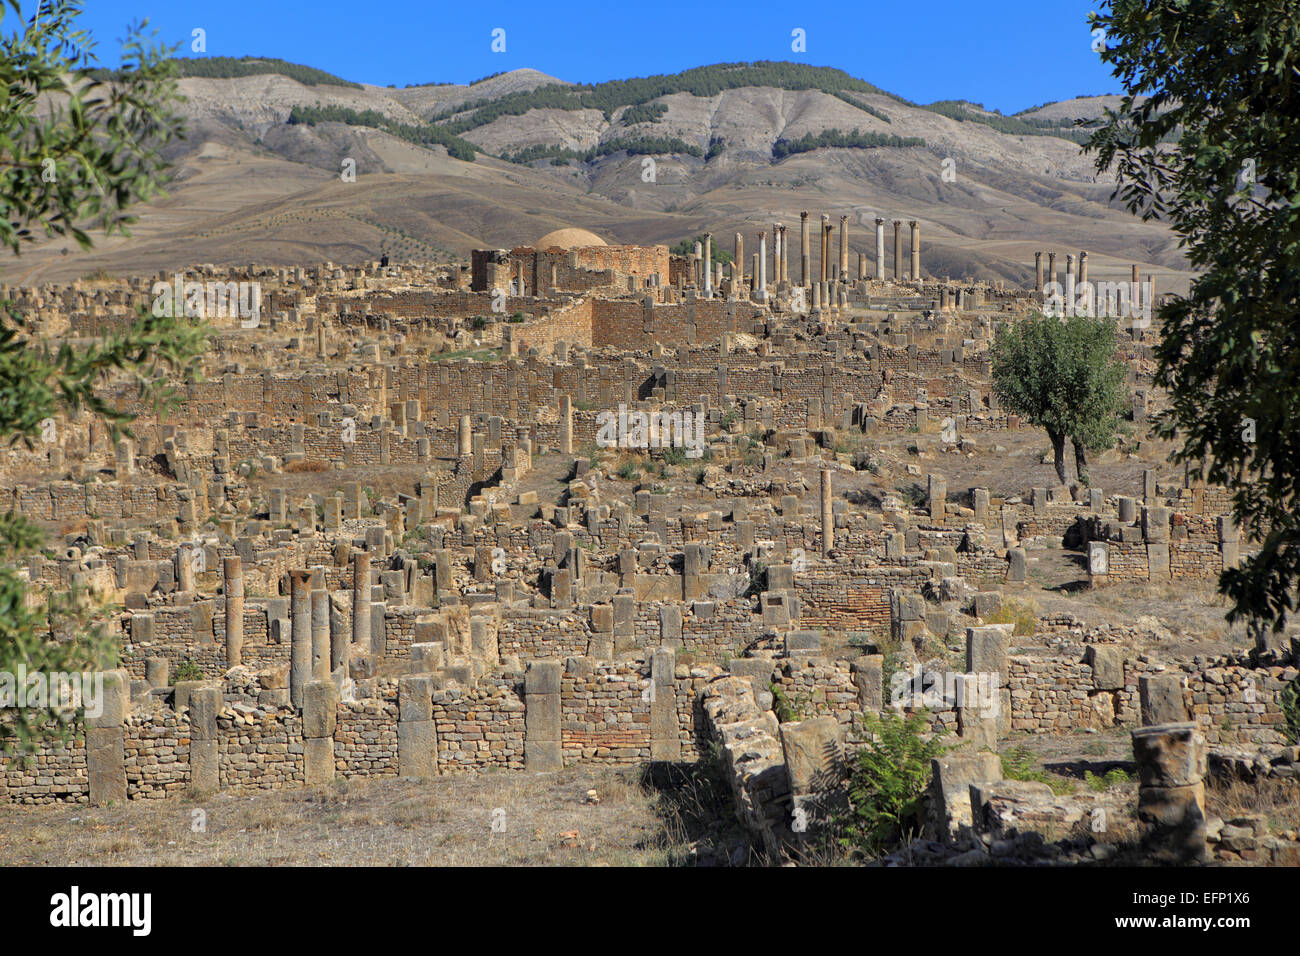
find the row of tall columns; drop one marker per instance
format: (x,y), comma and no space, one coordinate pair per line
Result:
(826,270)
(1076,270)
(1080,273)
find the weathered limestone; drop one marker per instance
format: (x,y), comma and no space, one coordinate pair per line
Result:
(300,634)
(106,742)
(951,777)
(738,269)
(417,734)
(880,248)
(361,601)
(708,265)
(1162,699)
(465,437)
(938,496)
(1038,273)
(1171,791)
(760,293)
(320,635)
(844,248)
(898,249)
(319,721)
(825,247)
(205,703)
(828,514)
(804,275)
(566,425)
(542,716)
(232,568)
(916,250)
(665,742)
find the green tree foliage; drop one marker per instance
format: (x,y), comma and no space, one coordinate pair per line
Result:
(75,154)
(1224,77)
(834,137)
(887,783)
(701,81)
(1063,376)
(1011,125)
(226,67)
(643,113)
(424,134)
(632,145)
(687,248)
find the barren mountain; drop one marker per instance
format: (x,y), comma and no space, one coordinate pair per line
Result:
(258,181)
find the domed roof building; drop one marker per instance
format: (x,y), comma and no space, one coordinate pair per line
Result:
(569,238)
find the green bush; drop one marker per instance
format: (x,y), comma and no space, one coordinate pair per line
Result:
(1289,700)
(887,783)
(1020,764)
(187,670)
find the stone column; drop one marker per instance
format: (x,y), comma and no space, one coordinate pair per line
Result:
(1051,267)
(1083,266)
(916,250)
(566,425)
(361,601)
(106,742)
(299,633)
(785,258)
(761,294)
(738,268)
(417,736)
(665,740)
(827,250)
(898,249)
(707,268)
(880,248)
(185,567)
(828,514)
(1038,273)
(1171,791)
(234,590)
(776,254)
(465,438)
(319,720)
(844,248)
(542,750)
(340,634)
(803,250)
(320,635)
(205,766)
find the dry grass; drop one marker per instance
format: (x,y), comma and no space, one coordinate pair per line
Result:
(294,467)
(1278,801)
(446,821)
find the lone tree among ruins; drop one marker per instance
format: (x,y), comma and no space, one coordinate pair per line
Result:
(1062,375)
(1219,78)
(65,171)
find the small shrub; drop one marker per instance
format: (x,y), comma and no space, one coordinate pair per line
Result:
(786,709)
(1022,614)
(887,783)
(187,670)
(1019,764)
(1289,700)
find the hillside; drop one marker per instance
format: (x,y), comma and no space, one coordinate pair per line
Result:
(735,146)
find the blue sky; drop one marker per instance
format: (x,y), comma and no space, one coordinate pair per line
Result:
(1008,54)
